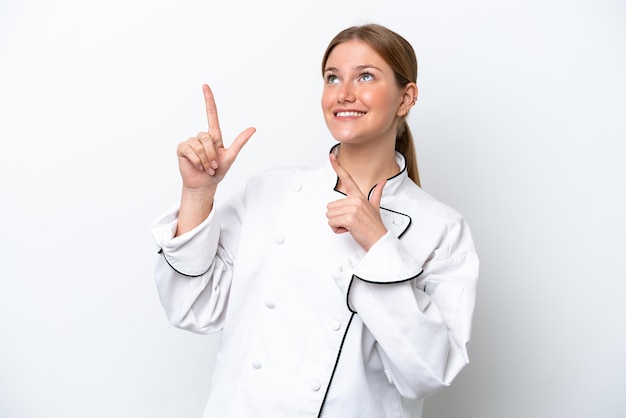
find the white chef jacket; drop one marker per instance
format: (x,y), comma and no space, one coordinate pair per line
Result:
(313,325)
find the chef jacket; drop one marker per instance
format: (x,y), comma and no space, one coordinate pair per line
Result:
(312,324)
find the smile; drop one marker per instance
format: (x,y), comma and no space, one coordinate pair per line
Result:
(349,114)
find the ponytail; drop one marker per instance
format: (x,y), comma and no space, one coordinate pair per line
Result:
(405,145)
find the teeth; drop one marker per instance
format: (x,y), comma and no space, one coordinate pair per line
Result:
(349,114)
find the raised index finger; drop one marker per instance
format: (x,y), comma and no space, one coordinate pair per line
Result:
(348,183)
(211,113)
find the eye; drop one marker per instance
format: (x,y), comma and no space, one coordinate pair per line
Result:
(332,79)
(366,77)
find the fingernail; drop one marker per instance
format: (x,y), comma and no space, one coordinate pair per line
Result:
(211,172)
(214,164)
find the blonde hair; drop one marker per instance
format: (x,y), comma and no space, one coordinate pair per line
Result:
(400,56)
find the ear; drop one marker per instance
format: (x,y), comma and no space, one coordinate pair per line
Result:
(409,97)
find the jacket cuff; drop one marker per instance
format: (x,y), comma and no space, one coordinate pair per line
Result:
(189,253)
(387,261)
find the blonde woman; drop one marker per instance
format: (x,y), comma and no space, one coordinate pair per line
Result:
(343,291)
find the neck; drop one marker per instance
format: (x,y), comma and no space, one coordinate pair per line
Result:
(367,166)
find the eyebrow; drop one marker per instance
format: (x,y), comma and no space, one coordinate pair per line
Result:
(357,68)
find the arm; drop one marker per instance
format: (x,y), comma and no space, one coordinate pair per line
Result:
(419,313)
(187,271)
(193,270)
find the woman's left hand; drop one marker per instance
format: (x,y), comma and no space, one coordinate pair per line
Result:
(354,213)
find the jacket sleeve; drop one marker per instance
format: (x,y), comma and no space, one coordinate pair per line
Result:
(420,312)
(193,271)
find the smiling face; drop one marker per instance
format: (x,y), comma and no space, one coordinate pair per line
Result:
(361,100)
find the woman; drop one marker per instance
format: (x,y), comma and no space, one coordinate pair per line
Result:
(343,291)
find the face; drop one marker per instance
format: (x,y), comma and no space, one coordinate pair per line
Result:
(361,100)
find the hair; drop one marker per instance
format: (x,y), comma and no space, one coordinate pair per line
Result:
(400,56)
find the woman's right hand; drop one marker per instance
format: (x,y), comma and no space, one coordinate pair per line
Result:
(203,161)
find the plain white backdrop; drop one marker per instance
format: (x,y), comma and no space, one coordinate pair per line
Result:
(520,126)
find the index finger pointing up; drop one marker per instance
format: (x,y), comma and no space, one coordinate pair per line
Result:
(211,113)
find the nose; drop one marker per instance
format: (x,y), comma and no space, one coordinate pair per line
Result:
(346,93)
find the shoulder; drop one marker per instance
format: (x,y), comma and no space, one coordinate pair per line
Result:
(434,224)
(418,203)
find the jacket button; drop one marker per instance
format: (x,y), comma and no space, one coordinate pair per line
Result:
(279,239)
(296,188)
(257,364)
(398,221)
(270,304)
(314,385)
(334,325)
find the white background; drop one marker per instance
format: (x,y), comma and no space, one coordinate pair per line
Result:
(520,126)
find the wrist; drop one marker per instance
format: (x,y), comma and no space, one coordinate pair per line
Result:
(195,206)
(198,195)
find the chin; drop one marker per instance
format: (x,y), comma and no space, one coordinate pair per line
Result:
(343,136)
